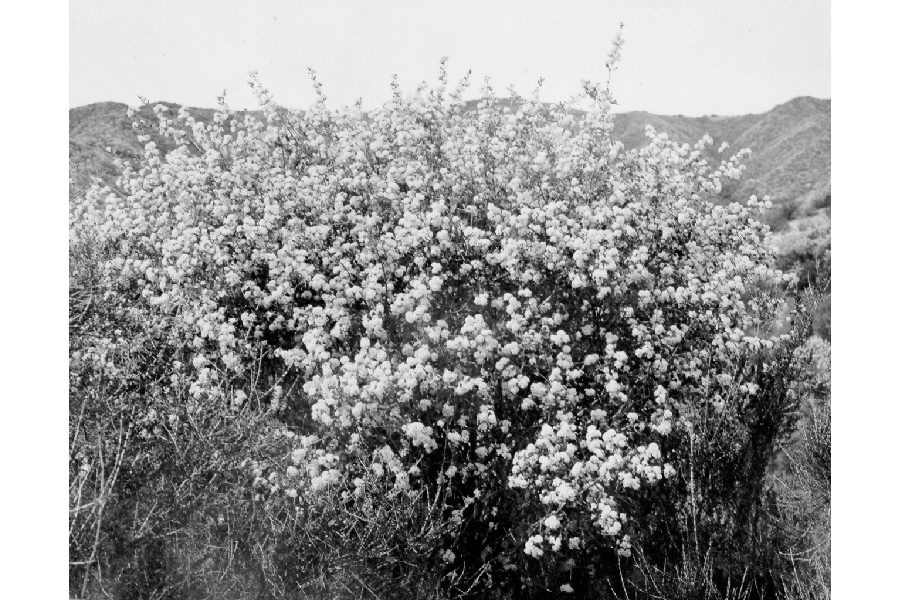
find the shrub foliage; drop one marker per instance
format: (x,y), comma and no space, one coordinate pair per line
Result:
(422,351)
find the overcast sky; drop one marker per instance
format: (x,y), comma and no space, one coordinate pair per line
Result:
(680,57)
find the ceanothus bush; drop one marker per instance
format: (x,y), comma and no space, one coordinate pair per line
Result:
(499,303)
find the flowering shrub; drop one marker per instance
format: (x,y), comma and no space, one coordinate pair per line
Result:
(500,305)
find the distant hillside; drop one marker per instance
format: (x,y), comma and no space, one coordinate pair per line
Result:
(791,146)
(96,127)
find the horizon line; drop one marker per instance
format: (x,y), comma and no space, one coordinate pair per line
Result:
(501,98)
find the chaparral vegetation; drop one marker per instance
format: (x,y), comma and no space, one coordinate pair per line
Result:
(431,351)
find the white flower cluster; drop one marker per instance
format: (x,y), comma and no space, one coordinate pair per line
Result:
(443,291)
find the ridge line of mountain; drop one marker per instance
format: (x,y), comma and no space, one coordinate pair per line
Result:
(802,98)
(791,145)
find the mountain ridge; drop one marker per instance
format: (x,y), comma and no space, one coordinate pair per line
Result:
(790,144)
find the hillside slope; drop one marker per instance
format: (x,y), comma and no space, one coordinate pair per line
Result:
(95,127)
(791,146)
